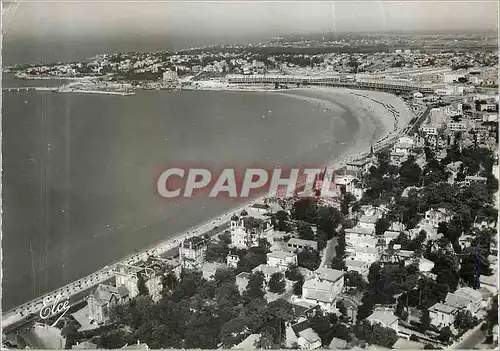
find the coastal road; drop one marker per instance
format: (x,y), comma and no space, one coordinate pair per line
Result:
(328,253)
(470,339)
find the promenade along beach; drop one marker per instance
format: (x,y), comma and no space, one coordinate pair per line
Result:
(80,170)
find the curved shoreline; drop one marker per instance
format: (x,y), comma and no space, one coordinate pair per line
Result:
(358,105)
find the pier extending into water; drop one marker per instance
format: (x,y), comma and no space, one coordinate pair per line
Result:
(25,89)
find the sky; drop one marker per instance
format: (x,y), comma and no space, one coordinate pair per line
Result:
(50,31)
(249,18)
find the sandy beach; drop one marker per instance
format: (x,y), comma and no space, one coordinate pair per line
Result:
(378,123)
(380,116)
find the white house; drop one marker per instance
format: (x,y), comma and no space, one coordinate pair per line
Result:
(359,236)
(333,276)
(232,260)
(128,276)
(319,293)
(242,237)
(362,267)
(434,217)
(242,281)
(192,252)
(281,259)
(474,297)
(267,270)
(367,254)
(386,319)
(302,334)
(345,181)
(389,236)
(368,221)
(442,315)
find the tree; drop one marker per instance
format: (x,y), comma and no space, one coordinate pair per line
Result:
(445,335)
(341,307)
(169,281)
(354,279)
(141,285)
(327,219)
(277,283)
(376,334)
(338,263)
(305,231)
(218,251)
(304,210)
(464,321)
(254,287)
(322,326)
(309,259)
(365,309)
(425,321)
(233,331)
(292,273)
(381,225)
(410,173)
(281,221)
(297,286)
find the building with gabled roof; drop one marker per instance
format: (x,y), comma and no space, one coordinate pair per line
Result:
(322,292)
(103,299)
(442,315)
(302,334)
(297,245)
(267,270)
(386,319)
(281,259)
(192,252)
(329,274)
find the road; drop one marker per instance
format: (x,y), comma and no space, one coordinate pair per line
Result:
(470,339)
(328,253)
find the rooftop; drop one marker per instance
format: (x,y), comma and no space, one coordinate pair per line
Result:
(383,317)
(456,301)
(337,343)
(328,274)
(368,250)
(280,254)
(248,343)
(212,267)
(368,219)
(344,180)
(316,284)
(355,263)
(360,231)
(267,270)
(470,293)
(310,335)
(243,275)
(390,234)
(104,292)
(441,307)
(302,242)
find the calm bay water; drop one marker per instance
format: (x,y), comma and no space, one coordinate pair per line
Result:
(80,171)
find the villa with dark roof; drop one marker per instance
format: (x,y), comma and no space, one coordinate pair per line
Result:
(103,299)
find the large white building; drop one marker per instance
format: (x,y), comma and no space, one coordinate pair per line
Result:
(244,238)
(192,252)
(442,315)
(281,259)
(324,288)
